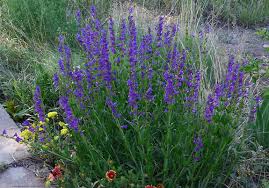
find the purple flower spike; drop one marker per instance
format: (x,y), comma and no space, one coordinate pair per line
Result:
(38,104)
(198,142)
(132,96)
(112,36)
(169,88)
(213,102)
(78,16)
(122,38)
(132,82)
(159,31)
(93,11)
(61,44)
(149,94)
(113,106)
(70,118)
(61,66)
(55,80)
(105,65)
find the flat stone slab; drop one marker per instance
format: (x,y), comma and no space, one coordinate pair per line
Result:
(19,177)
(6,122)
(11,151)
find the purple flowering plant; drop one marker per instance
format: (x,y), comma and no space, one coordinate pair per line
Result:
(138,99)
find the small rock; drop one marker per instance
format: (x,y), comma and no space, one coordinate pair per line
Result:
(266,45)
(6,122)
(10,151)
(19,177)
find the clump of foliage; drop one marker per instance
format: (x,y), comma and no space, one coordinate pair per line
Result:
(244,12)
(135,112)
(264,33)
(44,20)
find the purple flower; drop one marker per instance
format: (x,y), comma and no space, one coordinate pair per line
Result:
(169,88)
(70,118)
(213,102)
(93,11)
(61,66)
(4,132)
(145,52)
(229,71)
(89,75)
(197,85)
(233,80)
(175,58)
(77,77)
(31,129)
(38,104)
(42,139)
(189,80)
(258,100)
(18,139)
(196,89)
(253,111)
(209,111)
(112,35)
(159,31)
(133,95)
(124,126)
(122,38)
(240,83)
(68,60)
(78,16)
(55,80)
(113,107)
(65,57)
(26,123)
(61,44)
(104,63)
(198,142)
(169,35)
(149,94)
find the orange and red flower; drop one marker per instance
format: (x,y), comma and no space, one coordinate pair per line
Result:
(160,185)
(55,173)
(111,175)
(150,186)
(51,177)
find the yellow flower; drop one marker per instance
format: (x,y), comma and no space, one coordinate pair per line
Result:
(47,120)
(41,129)
(52,114)
(26,134)
(34,125)
(41,123)
(62,124)
(64,131)
(45,146)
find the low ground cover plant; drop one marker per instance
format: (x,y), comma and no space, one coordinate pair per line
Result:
(139,111)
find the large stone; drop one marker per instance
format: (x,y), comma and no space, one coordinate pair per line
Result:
(19,177)
(11,151)
(6,123)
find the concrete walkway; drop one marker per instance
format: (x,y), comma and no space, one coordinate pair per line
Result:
(12,152)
